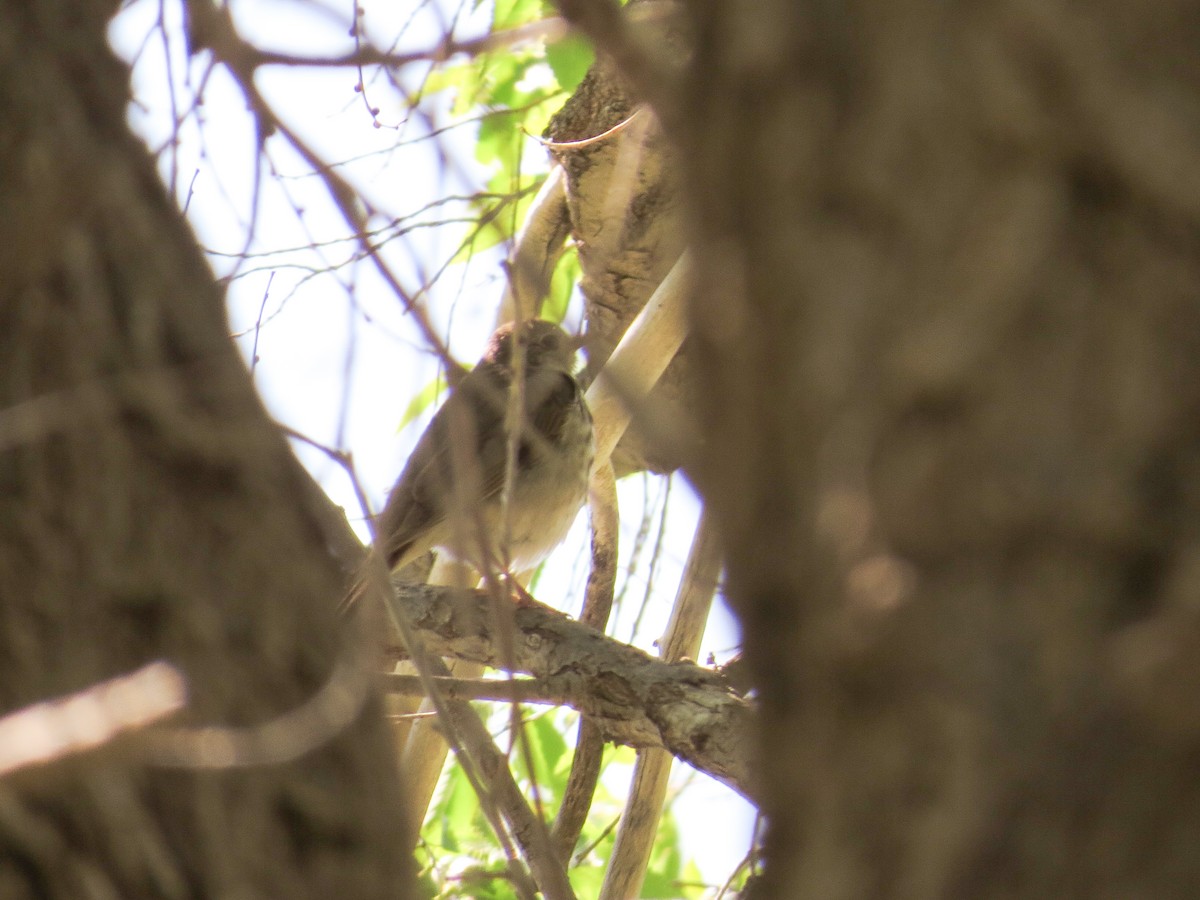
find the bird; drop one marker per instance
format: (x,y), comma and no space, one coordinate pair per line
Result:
(449,495)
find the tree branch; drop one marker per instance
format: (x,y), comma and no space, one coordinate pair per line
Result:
(597,605)
(639,823)
(632,697)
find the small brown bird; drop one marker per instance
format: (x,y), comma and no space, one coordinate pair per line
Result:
(449,495)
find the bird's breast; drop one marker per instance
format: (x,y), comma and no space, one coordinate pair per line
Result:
(550,489)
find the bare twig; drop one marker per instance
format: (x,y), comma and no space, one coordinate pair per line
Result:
(597,605)
(527,829)
(550,29)
(212,27)
(47,731)
(282,739)
(639,823)
(525,690)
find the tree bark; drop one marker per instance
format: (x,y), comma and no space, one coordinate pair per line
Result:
(149,509)
(622,192)
(632,697)
(948,357)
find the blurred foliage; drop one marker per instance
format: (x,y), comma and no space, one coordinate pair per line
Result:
(513,90)
(424,399)
(461,858)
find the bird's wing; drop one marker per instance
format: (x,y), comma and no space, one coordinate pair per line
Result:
(551,399)
(431,483)
(439,473)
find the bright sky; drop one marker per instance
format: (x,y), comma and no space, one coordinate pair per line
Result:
(337,358)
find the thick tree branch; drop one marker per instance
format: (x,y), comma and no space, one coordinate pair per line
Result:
(632,697)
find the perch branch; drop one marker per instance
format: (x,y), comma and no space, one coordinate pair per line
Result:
(681,706)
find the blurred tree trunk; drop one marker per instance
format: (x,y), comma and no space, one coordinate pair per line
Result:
(148,509)
(948,342)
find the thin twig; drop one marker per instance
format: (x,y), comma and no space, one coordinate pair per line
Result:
(597,606)
(213,27)
(527,829)
(639,822)
(282,739)
(52,729)
(524,690)
(550,29)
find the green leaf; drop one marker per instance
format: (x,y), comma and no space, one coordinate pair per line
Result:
(510,13)
(479,884)
(666,858)
(691,875)
(619,755)
(586,880)
(426,887)
(667,878)
(454,820)
(452,76)
(657,886)
(500,140)
(551,749)
(570,59)
(502,75)
(425,398)
(494,231)
(499,220)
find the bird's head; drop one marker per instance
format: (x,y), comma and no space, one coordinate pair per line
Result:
(545,344)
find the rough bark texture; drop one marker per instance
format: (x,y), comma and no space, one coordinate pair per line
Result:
(632,697)
(625,214)
(148,509)
(949,373)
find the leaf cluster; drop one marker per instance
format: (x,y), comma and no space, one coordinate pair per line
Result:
(459,851)
(512,91)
